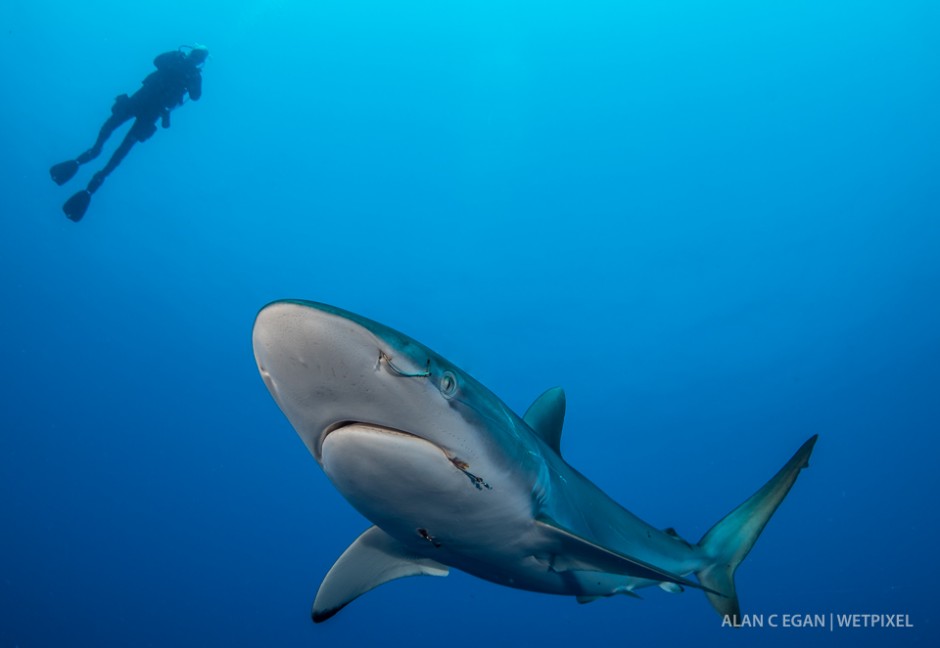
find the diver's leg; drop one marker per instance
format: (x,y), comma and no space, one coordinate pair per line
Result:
(140,131)
(65,171)
(126,145)
(123,109)
(106,129)
(76,206)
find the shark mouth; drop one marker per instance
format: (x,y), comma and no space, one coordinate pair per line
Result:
(366,434)
(352,425)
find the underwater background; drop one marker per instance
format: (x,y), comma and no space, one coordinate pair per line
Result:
(714,224)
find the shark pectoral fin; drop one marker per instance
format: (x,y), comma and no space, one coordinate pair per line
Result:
(546,416)
(579,554)
(374,558)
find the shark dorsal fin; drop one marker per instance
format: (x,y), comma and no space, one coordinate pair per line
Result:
(374,558)
(546,416)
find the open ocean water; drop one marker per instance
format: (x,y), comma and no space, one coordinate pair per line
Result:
(715,224)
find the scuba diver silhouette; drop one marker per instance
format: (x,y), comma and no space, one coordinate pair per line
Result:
(177,74)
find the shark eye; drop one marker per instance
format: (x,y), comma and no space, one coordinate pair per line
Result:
(448,384)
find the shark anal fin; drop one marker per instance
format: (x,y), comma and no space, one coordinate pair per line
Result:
(590,598)
(374,558)
(579,554)
(546,417)
(626,591)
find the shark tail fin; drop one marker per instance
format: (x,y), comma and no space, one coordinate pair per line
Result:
(728,542)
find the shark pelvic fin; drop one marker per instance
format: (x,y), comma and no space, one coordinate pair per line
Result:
(574,553)
(374,558)
(546,416)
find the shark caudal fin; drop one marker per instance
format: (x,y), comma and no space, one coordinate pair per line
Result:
(728,542)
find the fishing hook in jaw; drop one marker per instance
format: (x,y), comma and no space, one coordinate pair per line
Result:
(404,374)
(478,482)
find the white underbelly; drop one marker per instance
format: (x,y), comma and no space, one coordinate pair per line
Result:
(459,511)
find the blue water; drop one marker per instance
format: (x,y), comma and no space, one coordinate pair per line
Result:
(715,224)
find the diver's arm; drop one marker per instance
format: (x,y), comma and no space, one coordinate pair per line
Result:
(194,86)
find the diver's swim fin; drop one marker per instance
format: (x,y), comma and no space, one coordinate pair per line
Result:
(63,171)
(76,206)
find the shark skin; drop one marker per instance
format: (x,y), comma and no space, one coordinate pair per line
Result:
(452,478)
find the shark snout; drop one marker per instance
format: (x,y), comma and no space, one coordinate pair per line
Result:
(326,368)
(303,349)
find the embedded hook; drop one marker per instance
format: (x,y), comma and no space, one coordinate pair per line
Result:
(478,482)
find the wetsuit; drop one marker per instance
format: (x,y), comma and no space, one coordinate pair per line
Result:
(160,92)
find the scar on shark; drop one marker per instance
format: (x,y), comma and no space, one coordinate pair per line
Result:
(451,477)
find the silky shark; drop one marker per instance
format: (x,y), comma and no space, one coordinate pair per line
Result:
(452,477)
